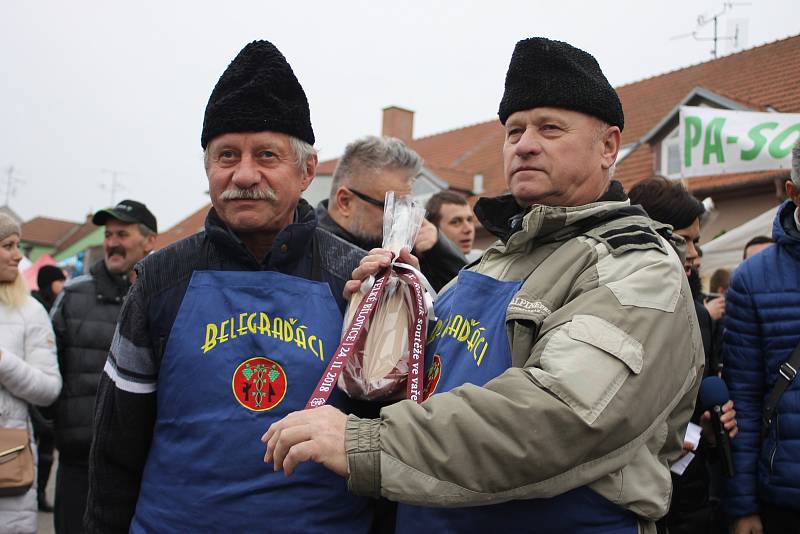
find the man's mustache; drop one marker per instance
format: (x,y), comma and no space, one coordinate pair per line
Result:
(116,251)
(251,193)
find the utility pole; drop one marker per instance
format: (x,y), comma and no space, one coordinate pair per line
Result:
(115,186)
(11,184)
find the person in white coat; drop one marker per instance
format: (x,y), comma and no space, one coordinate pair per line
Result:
(28,366)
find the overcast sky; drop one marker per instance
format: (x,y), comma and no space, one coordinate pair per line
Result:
(91,88)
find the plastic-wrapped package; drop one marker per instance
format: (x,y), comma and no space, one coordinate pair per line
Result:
(379,368)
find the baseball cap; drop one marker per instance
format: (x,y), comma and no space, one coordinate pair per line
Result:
(127,211)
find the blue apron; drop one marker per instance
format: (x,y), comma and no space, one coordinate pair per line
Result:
(469,344)
(246,349)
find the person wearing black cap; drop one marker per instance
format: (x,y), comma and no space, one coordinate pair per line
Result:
(558,390)
(84,318)
(226,331)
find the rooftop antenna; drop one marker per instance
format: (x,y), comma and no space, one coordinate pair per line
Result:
(11,184)
(115,186)
(703,20)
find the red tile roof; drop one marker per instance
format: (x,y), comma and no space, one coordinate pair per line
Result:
(761,77)
(76,234)
(188,226)
(720,182)
(765,76)
(47,232)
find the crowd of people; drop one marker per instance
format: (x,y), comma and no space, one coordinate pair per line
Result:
(149,374)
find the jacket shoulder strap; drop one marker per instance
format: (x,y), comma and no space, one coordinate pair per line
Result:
(786,375)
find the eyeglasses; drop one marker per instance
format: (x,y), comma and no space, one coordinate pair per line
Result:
(367,199)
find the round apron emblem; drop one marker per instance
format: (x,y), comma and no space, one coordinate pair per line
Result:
(432,376)
(259,384)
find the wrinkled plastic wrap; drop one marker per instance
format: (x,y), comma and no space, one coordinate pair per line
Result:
(379,370)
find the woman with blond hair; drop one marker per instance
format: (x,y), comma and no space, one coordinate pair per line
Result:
(28,366)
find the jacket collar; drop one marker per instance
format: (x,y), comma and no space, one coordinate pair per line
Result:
(784,228)
(289,247)
(110,287)
(327,222)
(504,218)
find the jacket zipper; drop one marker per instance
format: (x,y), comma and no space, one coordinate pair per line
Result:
(775,446)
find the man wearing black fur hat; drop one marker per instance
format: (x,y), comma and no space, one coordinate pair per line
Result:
(559,390)
(225,332)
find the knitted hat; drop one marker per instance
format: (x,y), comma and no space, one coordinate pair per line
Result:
(48,274)
(545,73)
(8,226)
(258,92)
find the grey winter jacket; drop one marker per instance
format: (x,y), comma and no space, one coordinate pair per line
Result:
(607,359)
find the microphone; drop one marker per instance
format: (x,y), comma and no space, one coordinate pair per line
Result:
(713,394)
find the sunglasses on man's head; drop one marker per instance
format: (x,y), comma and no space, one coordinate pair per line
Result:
(366,198)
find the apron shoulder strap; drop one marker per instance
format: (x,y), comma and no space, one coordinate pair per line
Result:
(334,255)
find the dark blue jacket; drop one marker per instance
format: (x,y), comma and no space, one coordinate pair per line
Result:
(124,420)
(762,330)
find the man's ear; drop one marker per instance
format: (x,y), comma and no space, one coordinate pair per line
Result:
(344,202)
(793,192)
(611,143)
(150,243)
(311,171)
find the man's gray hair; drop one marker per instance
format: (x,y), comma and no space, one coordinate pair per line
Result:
(796,164)
(145,231)
(373,153)
(302,152)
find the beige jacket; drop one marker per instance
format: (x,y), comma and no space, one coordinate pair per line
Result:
(607,358)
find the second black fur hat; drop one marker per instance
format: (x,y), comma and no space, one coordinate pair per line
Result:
(545,73)
(258,92)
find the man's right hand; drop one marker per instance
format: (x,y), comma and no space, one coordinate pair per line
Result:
(377,259)
(426,237)
(749,524)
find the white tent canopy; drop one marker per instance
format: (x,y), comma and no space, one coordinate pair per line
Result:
(726,250)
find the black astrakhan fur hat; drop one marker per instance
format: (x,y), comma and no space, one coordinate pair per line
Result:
(258,92)
(545,73)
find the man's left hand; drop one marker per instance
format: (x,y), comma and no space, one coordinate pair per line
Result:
(316,435)
(716,307)
(728,420)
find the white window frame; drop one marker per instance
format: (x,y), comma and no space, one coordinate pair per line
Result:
(671,140)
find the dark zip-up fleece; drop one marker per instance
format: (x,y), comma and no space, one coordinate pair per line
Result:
(125,412)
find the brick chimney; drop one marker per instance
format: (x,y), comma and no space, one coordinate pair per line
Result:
(398,122)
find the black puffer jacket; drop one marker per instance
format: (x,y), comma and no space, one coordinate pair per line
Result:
(84,319)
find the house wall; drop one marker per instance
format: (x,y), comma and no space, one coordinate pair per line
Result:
(94,239)
(736,209)
(32,252)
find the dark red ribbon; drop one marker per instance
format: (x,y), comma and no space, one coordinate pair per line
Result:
(353,339)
